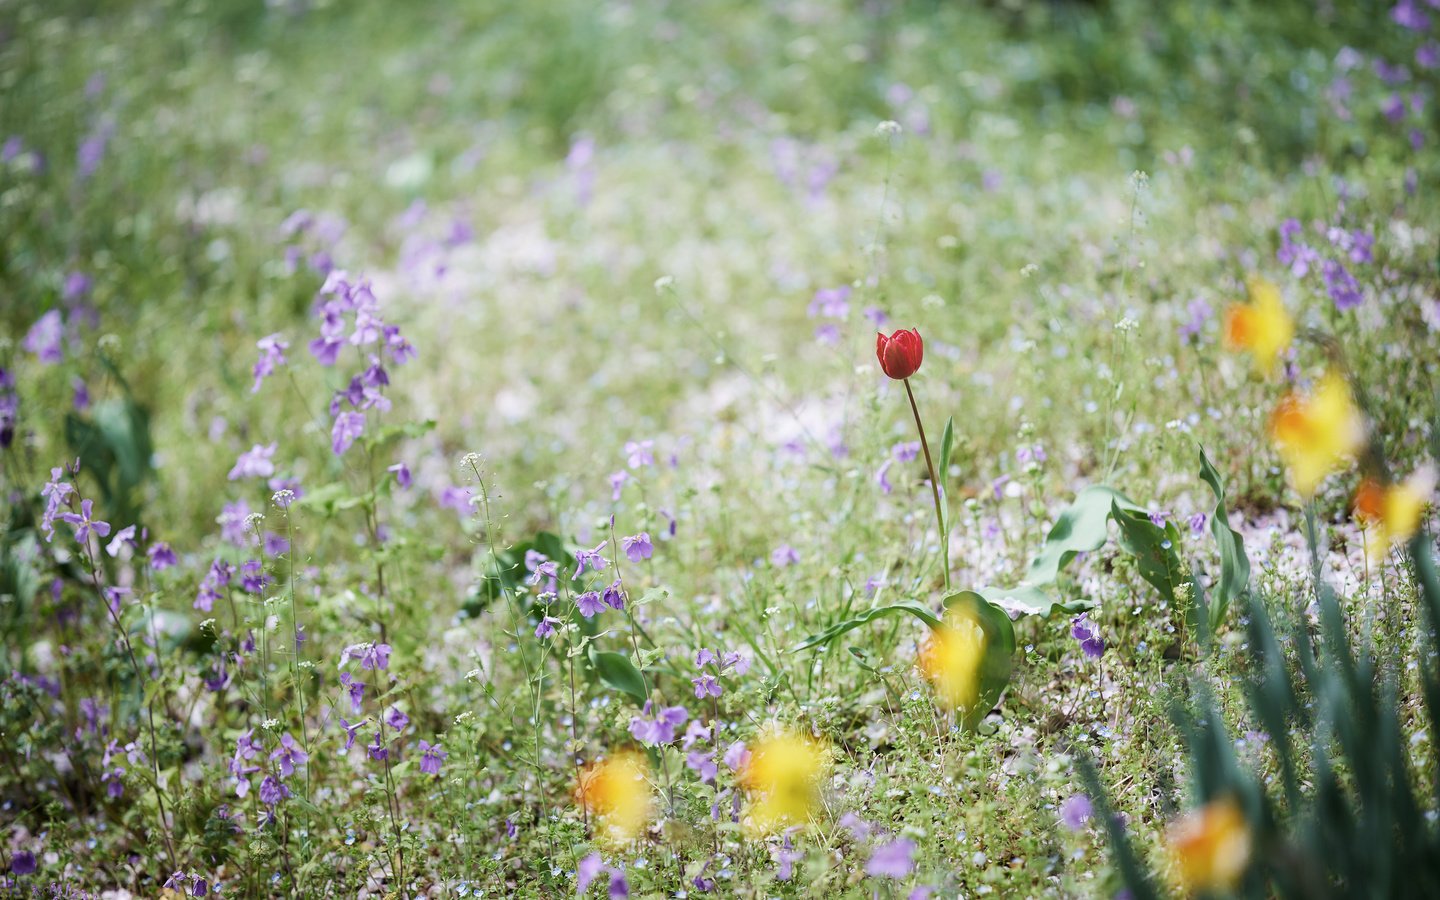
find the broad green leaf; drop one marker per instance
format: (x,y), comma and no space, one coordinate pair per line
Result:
(619,672)
(918,610)
(1234,565)
(1028,600)
(999,658)
(1081,528)
(1153,548)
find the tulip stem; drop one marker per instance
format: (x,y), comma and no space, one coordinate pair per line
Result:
(934,486)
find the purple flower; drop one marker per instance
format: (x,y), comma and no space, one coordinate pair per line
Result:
(1299,256)
(56,493)
(402,475)
(254,463)
(704,658)
(43,338)
(637,546)
(79,394)
(877,316)
(591,559)
(397,719)
(122,537)
(22,862)
(350,731)
(1085,631)
(661,729)
(546,627)
(734,659)
(703,764)
(326,348)
(348,426)
(378,751)
(289,754)
(272,354)
(161,556)
(1158,517)
(828,334)
(1408,14)
(1200,312)
(1197,523)
(92,149)
(639,453)
(737,756)
(786,856)
(833,303)
(1427,55)
(617,483)
(84,523)
(430,758)
(231,520)
(1075,811)
(589,869)
(858,827)
(1343,288)
(614,596)
(706,686)
(619,887)
(882,476)
(893,860)
(589,604)
(784,555)
(371,655)
(273,790)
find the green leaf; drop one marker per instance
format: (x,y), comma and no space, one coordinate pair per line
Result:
(947,447)
(328,500)
(1234,565)
(1028,600)
(619,672)
(999,659)
(1153,548)
(1081,528)
(914,608)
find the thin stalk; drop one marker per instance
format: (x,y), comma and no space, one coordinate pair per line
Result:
(934,485)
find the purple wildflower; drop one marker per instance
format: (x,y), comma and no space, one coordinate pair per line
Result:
(85,523)
(1197,523)
(1075,811)
(356,690)
(637,546)
(833,303)
(397,719)
(784,555)
(639,453)
(1343,288)
(377,750)
(1408,14)
(43,338)
(893,860)
(289,754)
(619,887)
(22,862)
(273,790)
(254,463)
(617,483)
(1085,631)
(702,764)
(350,731)
(272,355)
(430,758)
(591,559)
(161,556)
(402,475)
(546,627)
(348,426)
(122,537)
(589,869)
(706,686)
(614,596)
(589,604)
(661,729)
(370,654)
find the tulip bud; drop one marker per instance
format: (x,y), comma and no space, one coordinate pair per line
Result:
(900,353)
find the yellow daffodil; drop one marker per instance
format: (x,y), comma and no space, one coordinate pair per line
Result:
(951,658)
(1262,327)
(1391,512)
(1210,846)
(1316,434)
(617,790)
(783,776)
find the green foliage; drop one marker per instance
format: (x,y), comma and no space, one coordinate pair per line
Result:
(1234,564)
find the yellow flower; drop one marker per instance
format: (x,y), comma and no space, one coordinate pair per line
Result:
(616,790)
(1391,512)
(1262,326)
(1210,846)
(951,658)
(1316,434)
(783,776)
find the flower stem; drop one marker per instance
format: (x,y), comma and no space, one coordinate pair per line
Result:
(934,486)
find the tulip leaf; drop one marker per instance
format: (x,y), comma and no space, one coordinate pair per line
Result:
(1234,565)
(618,672)
(1028,600)
(1153,548)
(999,658)
(1080,528)
(914,608)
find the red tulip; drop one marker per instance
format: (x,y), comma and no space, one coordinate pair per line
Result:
(900,353)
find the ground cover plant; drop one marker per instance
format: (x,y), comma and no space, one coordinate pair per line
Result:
(887,449)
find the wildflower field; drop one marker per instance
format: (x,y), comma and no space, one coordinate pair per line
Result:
(814,448)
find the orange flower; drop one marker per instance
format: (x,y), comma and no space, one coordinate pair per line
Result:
(1210,846)
(1316,434)
(1262,326)
(951,658)
(618,791)
(1391,512)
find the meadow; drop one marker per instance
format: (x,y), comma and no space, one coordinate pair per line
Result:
(887,449)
